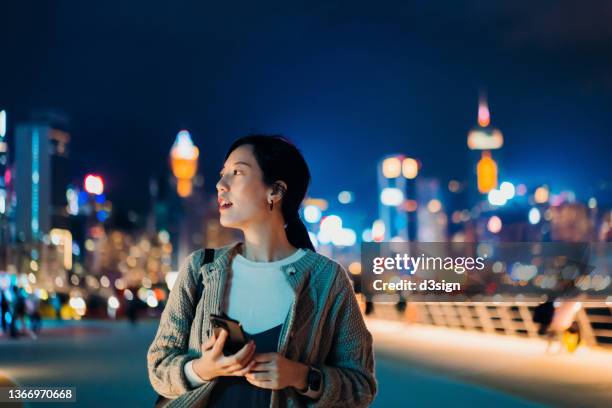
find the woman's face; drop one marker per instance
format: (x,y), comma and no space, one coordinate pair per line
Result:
(241,192)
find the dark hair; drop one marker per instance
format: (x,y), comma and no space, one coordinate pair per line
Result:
(279,159)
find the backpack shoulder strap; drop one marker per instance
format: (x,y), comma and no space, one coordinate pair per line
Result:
(209,256)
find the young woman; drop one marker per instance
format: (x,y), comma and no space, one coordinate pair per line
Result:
(309,345)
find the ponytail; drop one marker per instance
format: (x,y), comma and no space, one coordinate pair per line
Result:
(297,234)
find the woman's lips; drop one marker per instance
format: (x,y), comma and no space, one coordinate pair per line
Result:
(224,206)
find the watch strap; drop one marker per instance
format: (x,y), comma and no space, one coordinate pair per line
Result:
(314,382)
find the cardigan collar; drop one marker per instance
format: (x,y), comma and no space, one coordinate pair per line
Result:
(296,272)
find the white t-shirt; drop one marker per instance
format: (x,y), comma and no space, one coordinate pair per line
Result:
(258,295)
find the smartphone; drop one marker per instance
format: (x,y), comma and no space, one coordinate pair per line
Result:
(236,338)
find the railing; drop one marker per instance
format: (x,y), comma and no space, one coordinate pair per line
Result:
(509,318)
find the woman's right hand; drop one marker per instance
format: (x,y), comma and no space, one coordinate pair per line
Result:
(214,364)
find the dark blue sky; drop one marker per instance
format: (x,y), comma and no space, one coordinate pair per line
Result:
(347,81)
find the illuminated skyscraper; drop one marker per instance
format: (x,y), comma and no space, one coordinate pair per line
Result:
(3,165)
(184,163)
(5,176)
(396,205)
(32,181)
(188,233)
(41,173)
(484,137)
(432,219)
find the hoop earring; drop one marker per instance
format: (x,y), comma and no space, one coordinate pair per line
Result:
(271,205)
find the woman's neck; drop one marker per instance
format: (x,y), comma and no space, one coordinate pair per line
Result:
(266,243)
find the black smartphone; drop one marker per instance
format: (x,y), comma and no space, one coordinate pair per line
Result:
(236,338)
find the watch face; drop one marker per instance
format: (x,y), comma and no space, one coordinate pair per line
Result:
(314,379)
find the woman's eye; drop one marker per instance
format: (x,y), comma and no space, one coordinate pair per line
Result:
(237,172)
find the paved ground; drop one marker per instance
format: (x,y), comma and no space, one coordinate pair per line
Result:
(7,382)
(404,386)
(106,362)
(514,365)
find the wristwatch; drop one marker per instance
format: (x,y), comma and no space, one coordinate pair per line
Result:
(314,380)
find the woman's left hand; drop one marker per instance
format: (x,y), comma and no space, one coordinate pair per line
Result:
(275,372)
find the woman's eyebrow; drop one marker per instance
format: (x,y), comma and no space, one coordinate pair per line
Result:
(239,162)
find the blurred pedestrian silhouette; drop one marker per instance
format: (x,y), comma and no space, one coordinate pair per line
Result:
(132,311)
(563,319)
(4,310)
(543,315)
(18,315)
(571,338)
(369,309)
(57,306)
(33,312)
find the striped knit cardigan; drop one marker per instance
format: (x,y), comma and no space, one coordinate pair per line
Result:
(324,328)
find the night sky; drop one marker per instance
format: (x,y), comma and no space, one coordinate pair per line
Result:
(346,81)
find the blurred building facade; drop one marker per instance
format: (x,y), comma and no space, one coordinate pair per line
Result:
(41,175)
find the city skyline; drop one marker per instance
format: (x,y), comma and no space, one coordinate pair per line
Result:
(334,80)
(453,247)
